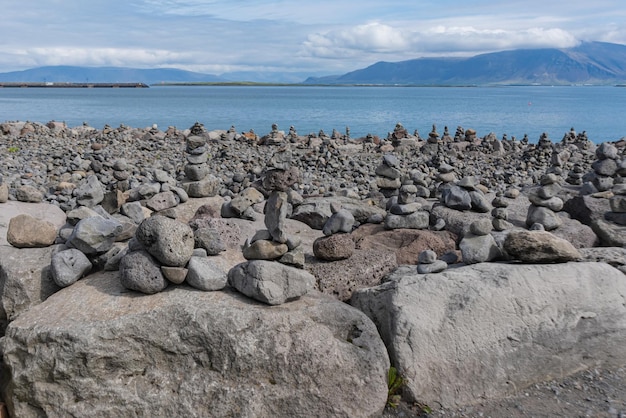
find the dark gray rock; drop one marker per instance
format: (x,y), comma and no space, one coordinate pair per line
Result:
(94,235)
(90,192)
(68,266)
(141,272)
(168,240)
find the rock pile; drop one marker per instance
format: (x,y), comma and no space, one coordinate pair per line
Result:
(545,203)
(270,276)
(198,181)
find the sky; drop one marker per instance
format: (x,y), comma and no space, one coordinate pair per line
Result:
(318,37)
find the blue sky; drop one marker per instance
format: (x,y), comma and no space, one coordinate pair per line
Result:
(321,37)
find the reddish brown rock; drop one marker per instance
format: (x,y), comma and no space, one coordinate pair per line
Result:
(334,247)
(406,243)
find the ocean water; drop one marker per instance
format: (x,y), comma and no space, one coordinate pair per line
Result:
(519,110)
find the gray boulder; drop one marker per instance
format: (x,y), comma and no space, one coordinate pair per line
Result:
(162,201)
(168,240)
(25,280)
(94,235)
(416,220)
(489,330)
(479,249)
(340,221)
(455,197)
(544,216)
(209,239)
(204,274)
(270,282)
(90,192)
(68,266)
(141,272)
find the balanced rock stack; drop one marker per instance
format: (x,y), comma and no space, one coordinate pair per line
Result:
(337,244)
(162,252)
(446,175)
(464,195)
(500,213)
(388,176)
(269,275)
(275,137)
(406,211)
(428,263)
(478,245)
(198,182)
(606,166)
(545,203)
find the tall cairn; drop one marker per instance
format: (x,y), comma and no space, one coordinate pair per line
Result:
(198,182)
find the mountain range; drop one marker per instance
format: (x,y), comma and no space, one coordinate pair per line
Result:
(587,63)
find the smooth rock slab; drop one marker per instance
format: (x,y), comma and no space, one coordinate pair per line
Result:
(489,330)
(187,353)
(270,282)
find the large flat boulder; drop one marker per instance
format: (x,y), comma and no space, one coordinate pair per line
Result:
(95,349)
(491,329)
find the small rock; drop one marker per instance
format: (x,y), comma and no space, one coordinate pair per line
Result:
(437,267)
(141,272)
(333,247)
(68,266)
(204,274)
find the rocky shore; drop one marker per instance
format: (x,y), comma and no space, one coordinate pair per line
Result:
(144,271)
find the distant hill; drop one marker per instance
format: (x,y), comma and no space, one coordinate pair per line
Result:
(69,74)
(588,63)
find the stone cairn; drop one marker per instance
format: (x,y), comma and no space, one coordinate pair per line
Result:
(428,263)
(478,245)
(388,176)
(545,203)
(336,244)
(274,271)
(405,211)
(607,166)
(198,182)
(500,213)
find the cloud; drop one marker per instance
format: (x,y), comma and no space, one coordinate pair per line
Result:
(378,38)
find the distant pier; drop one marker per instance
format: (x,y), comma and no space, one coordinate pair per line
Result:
(74,85)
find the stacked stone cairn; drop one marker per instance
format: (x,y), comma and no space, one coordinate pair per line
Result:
(478,245)
(464,195)
(336,244)
(405,211)
(545,203)
(428,263)
(198,182)
(605,168)
(274,271)
(500,213)
(388,176)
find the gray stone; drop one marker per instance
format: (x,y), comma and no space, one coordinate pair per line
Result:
(436,267)
(388,183)
(543,216)
(606,150)
(275,215)
(315,211)
(94,235)
(555,204)
(610,235)
(340,221)
(294,257)
(616,217)
(207,187)
(208,239)
(114,256)
(455,197)
(548,191)
(204,274)
(388,172)
(500,213)
(427,257)
(134,211)
(162,201)
(405,209)
(281,180)
(168,240)
(479,249)
(501,224)
(26,231)
(196,172)
(490,330)
(90,192)
(245,199)
(618,203)
(416,220)
(481,227)
(25,280)
(210,354)
(479,202)
(141,272)
(539,247)
(271,283)
(391,160)
(68,266)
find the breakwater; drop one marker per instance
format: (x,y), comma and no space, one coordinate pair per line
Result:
(73,85)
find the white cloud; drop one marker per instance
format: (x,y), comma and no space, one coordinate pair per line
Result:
(377,38)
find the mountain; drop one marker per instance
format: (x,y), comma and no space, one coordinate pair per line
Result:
(588,63)
(68,74)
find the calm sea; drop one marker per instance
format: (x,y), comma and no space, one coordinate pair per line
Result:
(601,111)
